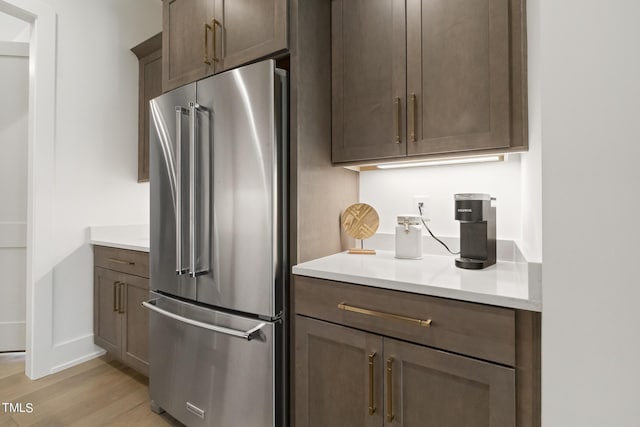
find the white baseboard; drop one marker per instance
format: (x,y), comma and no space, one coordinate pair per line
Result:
(77,361)
(74,341)
(74,352)
(12,336)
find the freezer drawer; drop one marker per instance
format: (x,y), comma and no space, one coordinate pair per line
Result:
(209,368)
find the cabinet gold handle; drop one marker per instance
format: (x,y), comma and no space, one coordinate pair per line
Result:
(119,261)
(121,298)
(372,403)
(426,323)
(205,44)
(215,22)
(412,117)
(390,415)
(115,295)
(396,120)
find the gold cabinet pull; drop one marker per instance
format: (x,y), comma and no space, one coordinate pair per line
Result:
(426,323)
(372,403)
(390,415)
(119,261)
(412,117)
(396,120)
(116,298)
(121,298)
(205,44)
(215,22)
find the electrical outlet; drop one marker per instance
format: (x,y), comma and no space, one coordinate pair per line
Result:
(426,208)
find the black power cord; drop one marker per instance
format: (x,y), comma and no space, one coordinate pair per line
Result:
(432,235)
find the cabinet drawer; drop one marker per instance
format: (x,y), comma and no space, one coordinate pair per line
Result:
(123,260)
(477,330)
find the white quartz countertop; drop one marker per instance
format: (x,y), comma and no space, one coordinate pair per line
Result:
(505,284)
(132,237)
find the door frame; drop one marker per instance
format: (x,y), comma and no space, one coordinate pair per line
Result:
(40,181)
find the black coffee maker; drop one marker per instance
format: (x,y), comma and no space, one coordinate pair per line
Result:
(477,230)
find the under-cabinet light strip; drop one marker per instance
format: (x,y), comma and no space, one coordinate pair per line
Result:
(461,160)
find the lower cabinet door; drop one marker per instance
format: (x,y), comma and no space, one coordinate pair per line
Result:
(338,374)
(135,345)
(435,388)
(107,322)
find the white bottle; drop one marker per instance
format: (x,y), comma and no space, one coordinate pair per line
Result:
(409,237)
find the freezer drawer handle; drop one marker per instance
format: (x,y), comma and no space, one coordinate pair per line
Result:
(247,335)
(195,410)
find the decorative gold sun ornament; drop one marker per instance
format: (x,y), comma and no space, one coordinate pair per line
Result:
(360,221)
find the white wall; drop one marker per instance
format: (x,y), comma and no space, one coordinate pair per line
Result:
(13,29)
(14,92)
(530,242)
(93,181)
(590,67)
(96,144)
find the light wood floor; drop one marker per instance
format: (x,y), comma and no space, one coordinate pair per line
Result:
(96,393)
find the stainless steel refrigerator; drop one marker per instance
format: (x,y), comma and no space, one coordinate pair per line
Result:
(218,249)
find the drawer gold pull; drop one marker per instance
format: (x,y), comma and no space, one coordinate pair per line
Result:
(396,120)
(412,118)
(121,298)
(342,306)
(372,403)
(390,415)
(119,261)
(116,299)
(215,22)
(205,44)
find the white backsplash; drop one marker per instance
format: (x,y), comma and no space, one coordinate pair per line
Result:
(506,250)
(391,193)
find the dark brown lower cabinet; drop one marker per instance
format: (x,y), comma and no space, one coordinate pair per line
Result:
(334,383)
(107,323)
(427,387)
(121,324)
(347,377)
(366,356)
(135,335)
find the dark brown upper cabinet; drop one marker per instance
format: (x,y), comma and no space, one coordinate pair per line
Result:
(203,37)
(369,79)
(187,35)
(465,87)
(149,55)
(249,30)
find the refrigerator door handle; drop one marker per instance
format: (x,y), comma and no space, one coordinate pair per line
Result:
(179,267)
(193,108)
(247,335)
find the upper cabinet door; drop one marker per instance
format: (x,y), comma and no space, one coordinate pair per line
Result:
(368,79)
(187,41)
(247,30)
(457,75)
